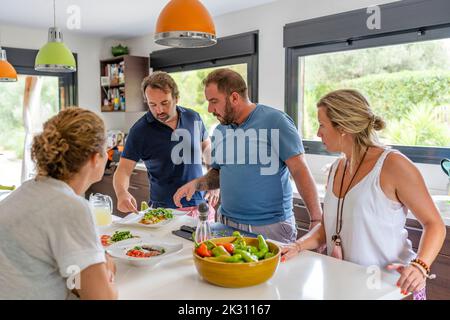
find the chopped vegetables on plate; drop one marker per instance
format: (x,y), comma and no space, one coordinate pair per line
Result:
(154,216)
(144,252)
(116,237)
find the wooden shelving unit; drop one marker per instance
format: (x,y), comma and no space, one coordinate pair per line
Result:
(122,90)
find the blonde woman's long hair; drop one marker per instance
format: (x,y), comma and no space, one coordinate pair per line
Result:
(350,111)
(67,142)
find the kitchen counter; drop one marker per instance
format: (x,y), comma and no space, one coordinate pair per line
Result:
(307,276)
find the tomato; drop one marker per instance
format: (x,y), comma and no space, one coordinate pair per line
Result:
(105,240)
(203,251)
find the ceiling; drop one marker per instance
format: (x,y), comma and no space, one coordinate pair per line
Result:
(107,18)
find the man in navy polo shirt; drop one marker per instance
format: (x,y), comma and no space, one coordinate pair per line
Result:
(156,139)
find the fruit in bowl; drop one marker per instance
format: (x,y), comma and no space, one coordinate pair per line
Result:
(236,261)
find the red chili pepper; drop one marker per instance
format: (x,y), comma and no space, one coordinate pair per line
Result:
(228,246)
(203,251)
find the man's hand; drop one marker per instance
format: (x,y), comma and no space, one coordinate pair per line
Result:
(126,202)
(212,196)
(186,191)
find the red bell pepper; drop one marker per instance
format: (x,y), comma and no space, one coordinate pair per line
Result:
(203,251)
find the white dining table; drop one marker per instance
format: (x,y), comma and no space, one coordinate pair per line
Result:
(307,276)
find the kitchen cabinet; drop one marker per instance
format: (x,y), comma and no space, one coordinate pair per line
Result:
(139,188)
(302,218)
(121,91)
(438,289)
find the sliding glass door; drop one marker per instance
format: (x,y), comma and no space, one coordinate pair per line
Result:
(24,106)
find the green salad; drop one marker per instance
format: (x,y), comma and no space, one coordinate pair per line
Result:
(157,215)
(121,235)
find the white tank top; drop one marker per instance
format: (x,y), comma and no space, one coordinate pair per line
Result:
(373,227)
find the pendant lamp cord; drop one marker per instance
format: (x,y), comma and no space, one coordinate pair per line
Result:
(54,13)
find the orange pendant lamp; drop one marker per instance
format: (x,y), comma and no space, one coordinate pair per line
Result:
(7,71)
(185,24)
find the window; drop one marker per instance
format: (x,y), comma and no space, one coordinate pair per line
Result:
(190,66)
(192,92)
(12,135)
(46,94)
(403,69)
(408,85)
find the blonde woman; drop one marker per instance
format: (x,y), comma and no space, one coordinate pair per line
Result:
(370,189)
(47,233)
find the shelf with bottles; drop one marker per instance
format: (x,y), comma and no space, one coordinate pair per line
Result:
(114,100)
(114,74)
(120,83)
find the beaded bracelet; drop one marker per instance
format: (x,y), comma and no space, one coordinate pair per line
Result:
(422,264)
(423,271)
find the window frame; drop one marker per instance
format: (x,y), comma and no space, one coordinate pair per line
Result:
(23,61)
(232,50)
(399,30)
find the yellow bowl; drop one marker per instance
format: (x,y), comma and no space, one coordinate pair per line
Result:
(236,275)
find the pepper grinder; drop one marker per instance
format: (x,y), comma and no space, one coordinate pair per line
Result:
(203,231)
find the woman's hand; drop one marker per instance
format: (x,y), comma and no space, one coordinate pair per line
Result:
(411,278)
(213,197)
(291,250)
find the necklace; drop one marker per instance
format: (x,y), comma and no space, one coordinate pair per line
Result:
(340,207)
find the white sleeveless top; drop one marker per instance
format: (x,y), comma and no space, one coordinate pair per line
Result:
(373,226)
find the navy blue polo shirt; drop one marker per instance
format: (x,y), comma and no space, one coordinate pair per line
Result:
(153,142)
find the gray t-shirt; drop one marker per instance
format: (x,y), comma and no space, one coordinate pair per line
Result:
(47,233)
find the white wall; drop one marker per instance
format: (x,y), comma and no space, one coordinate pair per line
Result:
(269,20)
(90,51)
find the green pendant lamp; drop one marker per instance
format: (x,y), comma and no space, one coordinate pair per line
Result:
(55,56)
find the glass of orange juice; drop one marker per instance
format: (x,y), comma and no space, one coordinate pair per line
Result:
(101,208)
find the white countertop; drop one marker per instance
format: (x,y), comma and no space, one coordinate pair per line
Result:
(307,276)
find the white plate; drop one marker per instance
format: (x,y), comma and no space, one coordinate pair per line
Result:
(133,220)
(119,250)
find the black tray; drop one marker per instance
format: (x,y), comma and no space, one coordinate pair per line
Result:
(218,230)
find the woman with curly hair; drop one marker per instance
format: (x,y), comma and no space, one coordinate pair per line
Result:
(49,247)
